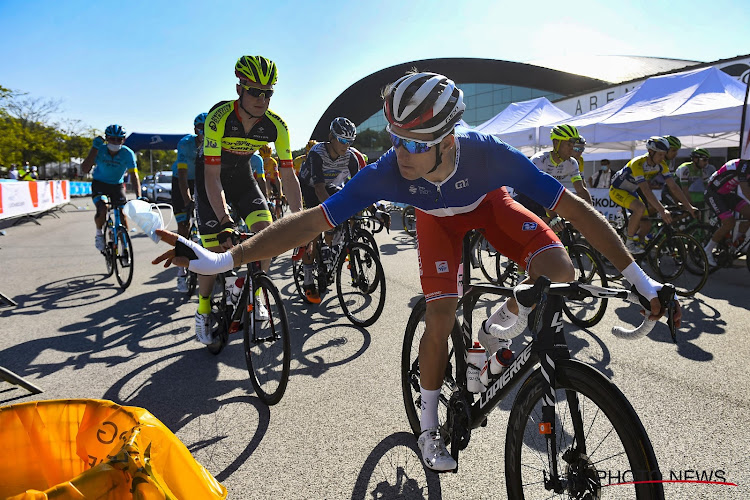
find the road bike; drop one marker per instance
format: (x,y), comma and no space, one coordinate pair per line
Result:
(357,271)
(569,425)
(259,312)
(409,220)
(191,278)
(118,249)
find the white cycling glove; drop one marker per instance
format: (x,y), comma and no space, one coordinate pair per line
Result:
(642,282)
(203,261)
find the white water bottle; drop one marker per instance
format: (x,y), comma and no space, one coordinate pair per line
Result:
(474,362)
(237,289)
(495,365)
(229,280)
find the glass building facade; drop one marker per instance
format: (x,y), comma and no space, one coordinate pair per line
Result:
(483,101)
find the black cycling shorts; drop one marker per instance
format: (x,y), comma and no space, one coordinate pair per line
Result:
(241,192)
(178,204)
(115,192)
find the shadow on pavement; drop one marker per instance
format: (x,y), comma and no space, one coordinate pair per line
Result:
(394,469)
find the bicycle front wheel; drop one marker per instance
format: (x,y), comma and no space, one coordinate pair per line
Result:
(601,443)
(123,257)
(268,350)
(361,235)
(109,250)
(589,311)
(681,260)
(360,284)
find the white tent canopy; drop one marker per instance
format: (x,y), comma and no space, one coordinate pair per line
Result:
(702,107)
(517,124)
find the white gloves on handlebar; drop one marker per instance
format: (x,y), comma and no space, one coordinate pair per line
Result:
(205,261)
(642,282)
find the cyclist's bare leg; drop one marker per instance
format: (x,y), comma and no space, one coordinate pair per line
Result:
(433,348)
(553,263)
(101,215)
(637,209)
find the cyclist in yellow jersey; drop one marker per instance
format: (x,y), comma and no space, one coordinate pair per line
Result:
(631,189)
(234,130)
(299,160)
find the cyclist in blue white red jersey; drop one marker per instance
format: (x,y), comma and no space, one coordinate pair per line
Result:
(456,178)
(183,184)
(327,167)
(723,197)
(112,161)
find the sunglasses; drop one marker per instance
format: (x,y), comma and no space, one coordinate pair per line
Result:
(346,142)
(579,148)
(256,92)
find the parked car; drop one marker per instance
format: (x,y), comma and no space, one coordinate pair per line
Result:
(158,187)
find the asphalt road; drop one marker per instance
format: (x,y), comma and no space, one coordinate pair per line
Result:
(340,430)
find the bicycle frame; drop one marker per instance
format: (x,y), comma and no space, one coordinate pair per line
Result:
(548,347)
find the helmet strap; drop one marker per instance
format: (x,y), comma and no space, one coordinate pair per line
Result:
(438,158)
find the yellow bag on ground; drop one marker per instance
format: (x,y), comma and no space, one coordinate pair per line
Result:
(88,448)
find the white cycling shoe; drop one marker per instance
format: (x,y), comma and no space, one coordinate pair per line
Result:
(182,285)
(203,328)
(491,344)
(434,454)
(99,242)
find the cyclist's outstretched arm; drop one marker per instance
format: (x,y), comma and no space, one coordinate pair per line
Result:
(289,232)
(595,228)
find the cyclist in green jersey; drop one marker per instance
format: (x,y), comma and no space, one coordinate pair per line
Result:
(693,176)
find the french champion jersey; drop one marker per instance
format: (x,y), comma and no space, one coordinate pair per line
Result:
(728,177)
(639,170)
(320,168)
(483,164)
(566,172)
(111,169)
(187,152)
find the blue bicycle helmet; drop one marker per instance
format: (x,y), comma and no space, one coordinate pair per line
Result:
(200,119)
(115,131)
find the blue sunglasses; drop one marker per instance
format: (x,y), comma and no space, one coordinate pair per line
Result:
(410,145)
(346,142)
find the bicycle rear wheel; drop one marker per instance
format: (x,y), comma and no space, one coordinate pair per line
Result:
(191,279)
(589,311)
(268,350)
(361,235)
(410,371)
(360,284)
(409,220)
(219,314)
(606,446)
(123,257)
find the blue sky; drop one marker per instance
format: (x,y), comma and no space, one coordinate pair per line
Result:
(152,66)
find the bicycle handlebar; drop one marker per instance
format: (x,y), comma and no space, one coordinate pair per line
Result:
(528,295)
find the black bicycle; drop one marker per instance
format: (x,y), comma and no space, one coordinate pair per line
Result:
(118,249)
(357,270)
(191,278)
(260,313)
(568,424)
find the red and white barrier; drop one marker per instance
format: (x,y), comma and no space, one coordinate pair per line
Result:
(21,198)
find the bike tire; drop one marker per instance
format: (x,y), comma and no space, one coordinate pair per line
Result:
(625,446)
(192,282)
(409,220)
(364,236)
(488,259)
(681,260)
(109,251)
(590,311)
(268,351)
(410,370)
(360,284)
(123,258)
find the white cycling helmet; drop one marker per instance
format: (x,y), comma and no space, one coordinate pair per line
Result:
(657,143)
(426,103)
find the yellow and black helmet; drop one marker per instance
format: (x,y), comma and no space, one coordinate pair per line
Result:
(265,150)
(564,133)
(257,69)
(310,145)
